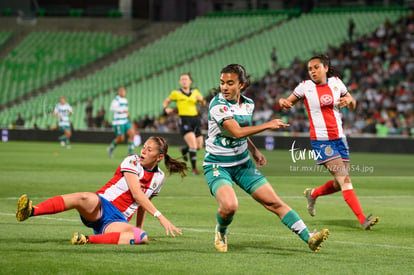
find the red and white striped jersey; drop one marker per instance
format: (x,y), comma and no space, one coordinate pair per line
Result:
(321,104)
(117,191)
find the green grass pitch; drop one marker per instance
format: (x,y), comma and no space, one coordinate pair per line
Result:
(258,243)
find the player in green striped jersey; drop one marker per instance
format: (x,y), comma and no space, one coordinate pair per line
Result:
(121,123)
(227,159)
(62,112)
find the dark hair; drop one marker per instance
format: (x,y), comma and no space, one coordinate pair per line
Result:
(241,73)
(172,165)
(326,61)
(189,75)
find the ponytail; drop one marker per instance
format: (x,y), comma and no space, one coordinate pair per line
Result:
(172,165)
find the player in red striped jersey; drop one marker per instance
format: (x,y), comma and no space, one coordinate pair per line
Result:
(135,183)
(324,95)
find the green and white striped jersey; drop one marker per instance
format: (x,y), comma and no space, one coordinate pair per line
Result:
(221,147)
(119,105)
(63,111)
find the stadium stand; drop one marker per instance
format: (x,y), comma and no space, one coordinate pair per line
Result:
(254,53)
(179,46)
(44,56)
(4,35)
(378,69)
(162,61)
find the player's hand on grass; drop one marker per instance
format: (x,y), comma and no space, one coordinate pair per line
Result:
(169,227)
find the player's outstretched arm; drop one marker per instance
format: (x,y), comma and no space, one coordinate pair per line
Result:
(135,188)
(287,103)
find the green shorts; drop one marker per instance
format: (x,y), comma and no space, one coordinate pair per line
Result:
(245,175)
(64,128)
(122,128)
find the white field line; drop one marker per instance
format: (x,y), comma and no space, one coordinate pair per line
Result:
(264,236)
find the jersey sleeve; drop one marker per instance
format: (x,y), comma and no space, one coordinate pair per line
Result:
(220,112)
(299,91)
(197,92)
(131,164)
(342,88)
(173,95)
(114,106)
(160,183)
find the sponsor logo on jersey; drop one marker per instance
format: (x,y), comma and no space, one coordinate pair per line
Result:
(224,109)
(326,100)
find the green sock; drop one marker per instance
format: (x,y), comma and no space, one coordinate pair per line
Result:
(223,224)
(112,145)
(67,141)
(62,137)
(295,223)
(130,147)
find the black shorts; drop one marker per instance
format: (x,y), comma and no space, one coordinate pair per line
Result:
(190,124)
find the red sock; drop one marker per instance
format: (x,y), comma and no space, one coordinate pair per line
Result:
(326,189)
(353,202)
(108,238)
(50,206)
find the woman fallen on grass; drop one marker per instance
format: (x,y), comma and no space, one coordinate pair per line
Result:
(136,181)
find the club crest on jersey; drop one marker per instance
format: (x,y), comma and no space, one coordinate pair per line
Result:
(133,162)
(216,172)
(328,151)
(326,100)
(249,109)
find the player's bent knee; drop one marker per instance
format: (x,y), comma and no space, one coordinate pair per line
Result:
(228,209)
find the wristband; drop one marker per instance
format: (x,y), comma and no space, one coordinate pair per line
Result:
(157,214)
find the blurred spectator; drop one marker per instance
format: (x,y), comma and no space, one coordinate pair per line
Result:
(19,121)
(273,60)
(148,122)
(378,70)
(351,29)
(100,116)
(382,128)
(89,114)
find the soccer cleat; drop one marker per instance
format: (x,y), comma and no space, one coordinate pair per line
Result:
(110,152)
(79,238)
(24,208)
(369,222)
(68,147)
(195,172)
(62,143)
(317,238)
(185,158)
(311,201)
(220,241)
